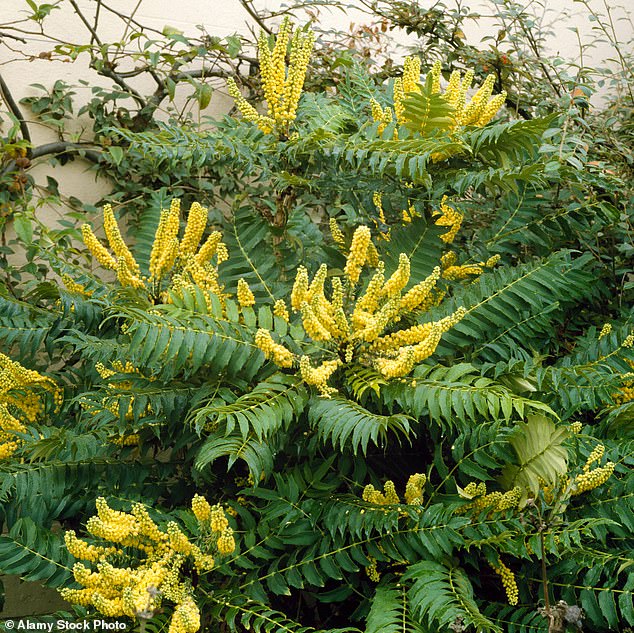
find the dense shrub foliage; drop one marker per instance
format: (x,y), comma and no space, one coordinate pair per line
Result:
(362,360)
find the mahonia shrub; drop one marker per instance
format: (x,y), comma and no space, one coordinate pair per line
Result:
(326,407)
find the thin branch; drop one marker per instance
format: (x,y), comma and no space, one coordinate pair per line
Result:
(15,109)
(13,37)
(89,26)
(96,22)
(248,7)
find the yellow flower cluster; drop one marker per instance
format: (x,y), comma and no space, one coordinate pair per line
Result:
(605,330)
(626,392)
(114,388)
(591,479)
(280,310)
(413,492)
(407,83)
(353,326)
(478,112)
(372,571)
(449,217)
(127,268)
(318,376)
(244,295)
(494,501)
(508,581)
(337,235)
(414,489)
(74,287)
(358,253)
(455,272)
(272,350)
(20,401)
(190,264)
(282,85)
(383,116)
(155,574)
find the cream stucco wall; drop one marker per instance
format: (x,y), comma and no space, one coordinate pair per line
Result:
(224,17)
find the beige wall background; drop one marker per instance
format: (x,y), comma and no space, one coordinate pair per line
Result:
(225,17)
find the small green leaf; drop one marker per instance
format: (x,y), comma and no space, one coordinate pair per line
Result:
(23,228)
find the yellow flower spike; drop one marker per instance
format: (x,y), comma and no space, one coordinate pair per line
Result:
(372,570)
(281,356)
(428,346)
(282,87)
(116,242)
(337,235)
(396,367)
(389,490)
(201,509)
(312,324)
(372,495)
(508,581)
(595,456)
(249,113)
(453,88)
(395,284)
(300,289)
(396,340)
(605,330)
(244,294)
(449,217)
(98,250)
(369,301)
(218,519)
(477,107)
(378,322)
(273,65)
(435,73)
(196,223)
(358,253)
(280,310)
(491,108)
(492,261)
(339,314)
(461,99)
(411,74)
(324,312)
(448,259)
(417,295)
(209,248)
(157,246)
(168,257)
(226,543)
(592,479)
(126,277)
(318,376)
(316,287)
(377,110)
(414,489)
(399,97)
(372,255)
(301,48)
(74,287)
(455,273)
(381,116)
